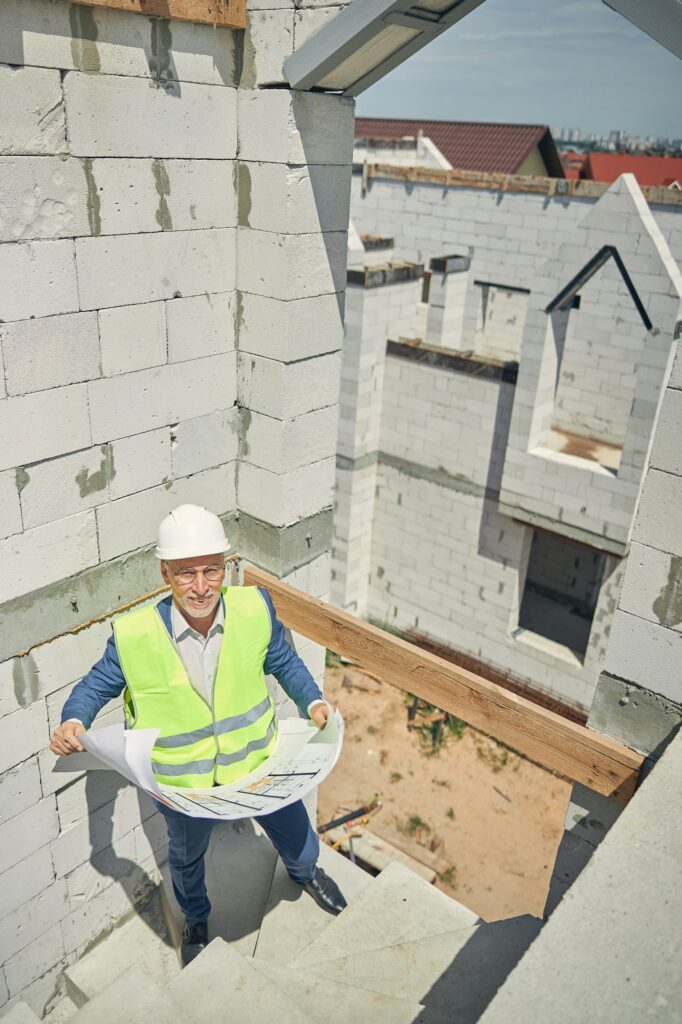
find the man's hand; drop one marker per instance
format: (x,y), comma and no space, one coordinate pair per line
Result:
(320,714)
(65,739)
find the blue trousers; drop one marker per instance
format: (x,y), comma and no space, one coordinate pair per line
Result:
(289,830)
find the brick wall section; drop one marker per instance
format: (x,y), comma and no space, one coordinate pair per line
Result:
(139,259)
(444,560)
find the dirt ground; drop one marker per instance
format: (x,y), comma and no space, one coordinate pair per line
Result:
(492,817)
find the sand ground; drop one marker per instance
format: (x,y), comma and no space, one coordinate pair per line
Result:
(492,817)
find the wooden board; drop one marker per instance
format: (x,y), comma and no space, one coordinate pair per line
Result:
(570,750)
(226,13)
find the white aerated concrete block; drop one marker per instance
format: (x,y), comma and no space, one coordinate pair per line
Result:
(286,266)
(65,660)
(140,461)
(309,22)
(22,734)
(32,962)
(31,111)
(132,337)
(277,197)
(19,788)
(659,517)
(10,510)
(269,41)
(112,116)
(288,127)
(285,498)
(42,197)
(49,352)
(38,279)
(48,553)
(161,396)
(286,390)
(41,425)
(282,445)
(27,832)
(63,486)
(286,331)
(202,325)
(666,453)
(112,42)
(160,195)
(132,522)
(204,442)
(121,270)
(33,919)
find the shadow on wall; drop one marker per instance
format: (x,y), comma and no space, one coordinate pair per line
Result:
(117,852)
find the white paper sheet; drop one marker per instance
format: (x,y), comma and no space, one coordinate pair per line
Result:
(303,756)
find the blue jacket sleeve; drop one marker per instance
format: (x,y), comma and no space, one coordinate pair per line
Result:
(284,664)
(104,681)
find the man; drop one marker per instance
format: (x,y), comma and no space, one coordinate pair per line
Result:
(194,665)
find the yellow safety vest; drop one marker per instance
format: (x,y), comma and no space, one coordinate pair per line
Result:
(200,746)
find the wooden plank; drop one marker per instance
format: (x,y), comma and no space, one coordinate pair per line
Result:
(225,13)
(555,743)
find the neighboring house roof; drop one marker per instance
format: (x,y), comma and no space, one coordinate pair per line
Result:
(472,145)
(659,171)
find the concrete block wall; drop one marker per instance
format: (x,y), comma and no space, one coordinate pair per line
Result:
(639,693)
(602,349)
(590,501)
(499,326)
(171,315)
(444,560)
(512,234)
(379,305)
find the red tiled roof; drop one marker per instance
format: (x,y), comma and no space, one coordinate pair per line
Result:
(659,171)
(471,145)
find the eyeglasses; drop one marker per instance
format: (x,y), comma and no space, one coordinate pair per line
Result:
(186,577)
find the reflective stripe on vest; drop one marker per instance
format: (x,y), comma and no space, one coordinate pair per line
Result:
(198,745)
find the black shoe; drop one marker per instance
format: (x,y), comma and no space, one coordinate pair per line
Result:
(194,939)
(325,892)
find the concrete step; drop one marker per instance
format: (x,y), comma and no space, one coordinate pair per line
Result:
(324,1000)
(61,1012)
(292,919)
(240,863)
(141,940)
(20,1013)
(221,985)
(457,973)
(396,907)
(133,998)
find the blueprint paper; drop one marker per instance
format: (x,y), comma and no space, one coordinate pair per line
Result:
(303,756)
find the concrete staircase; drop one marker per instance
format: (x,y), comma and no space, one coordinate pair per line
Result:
(402,952)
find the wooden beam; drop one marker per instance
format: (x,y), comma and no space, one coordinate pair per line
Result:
(223,13)
(570,750)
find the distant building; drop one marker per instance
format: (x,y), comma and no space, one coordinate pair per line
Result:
(657,171)
(466,145)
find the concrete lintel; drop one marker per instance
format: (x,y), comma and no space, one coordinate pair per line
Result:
(374,242)
(593,540)
(455,362)
(282,549)
(449,264)
(642,719)
(390,273)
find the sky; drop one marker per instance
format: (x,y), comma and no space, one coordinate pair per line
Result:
(565,63)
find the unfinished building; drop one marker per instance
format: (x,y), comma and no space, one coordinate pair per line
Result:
(507,347)
(174,203)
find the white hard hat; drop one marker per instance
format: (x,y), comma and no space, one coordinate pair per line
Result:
(190,530)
